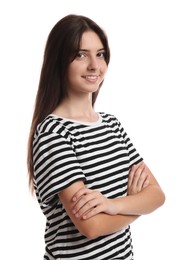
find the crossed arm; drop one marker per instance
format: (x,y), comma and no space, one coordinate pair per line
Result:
(96,215)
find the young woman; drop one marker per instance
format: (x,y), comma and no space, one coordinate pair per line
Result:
(89,180)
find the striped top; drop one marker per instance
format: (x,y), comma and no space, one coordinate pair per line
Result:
(100,154)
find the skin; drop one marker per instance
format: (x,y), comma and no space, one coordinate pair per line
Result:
(85,74)
(143,196)
(92,213)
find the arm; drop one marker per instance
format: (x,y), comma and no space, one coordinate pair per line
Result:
(144,196)
(98,225)
(145,200)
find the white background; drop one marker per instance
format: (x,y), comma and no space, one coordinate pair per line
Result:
(143,88)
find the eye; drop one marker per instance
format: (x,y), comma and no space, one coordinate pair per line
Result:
(101,54)
(81,55)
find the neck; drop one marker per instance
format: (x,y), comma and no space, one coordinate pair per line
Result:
(77,109)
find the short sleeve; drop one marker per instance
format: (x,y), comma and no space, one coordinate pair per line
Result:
(55,165)
(134,156)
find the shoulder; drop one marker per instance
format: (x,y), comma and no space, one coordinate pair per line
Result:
(107,116)
(110,118)
(52,125)
(51,132)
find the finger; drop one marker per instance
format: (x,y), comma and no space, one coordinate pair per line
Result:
(85,200)
(132,172)
(131,175)
(87,207)
(141,180)
(80,193)
(94,211)
(146,182)
(137,175)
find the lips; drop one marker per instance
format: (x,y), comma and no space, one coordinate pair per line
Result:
(91,78)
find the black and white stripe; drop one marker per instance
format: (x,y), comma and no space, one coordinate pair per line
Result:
(99,153)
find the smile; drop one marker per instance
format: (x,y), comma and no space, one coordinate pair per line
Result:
(90,77)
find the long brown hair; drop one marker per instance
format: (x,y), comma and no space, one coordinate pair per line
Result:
(61,49)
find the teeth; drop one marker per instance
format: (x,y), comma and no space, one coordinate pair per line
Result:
(91,77)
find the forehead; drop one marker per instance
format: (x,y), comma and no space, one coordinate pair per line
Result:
(90,40)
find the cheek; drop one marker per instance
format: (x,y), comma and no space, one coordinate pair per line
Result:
(72,72)
(75,69)
(104,68)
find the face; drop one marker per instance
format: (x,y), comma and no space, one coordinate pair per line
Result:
(88,69)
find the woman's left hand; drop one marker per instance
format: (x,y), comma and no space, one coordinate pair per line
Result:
(138,178)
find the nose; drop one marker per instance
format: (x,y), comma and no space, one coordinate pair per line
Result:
(93,64)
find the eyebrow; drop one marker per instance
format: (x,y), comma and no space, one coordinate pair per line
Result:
(103,49)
